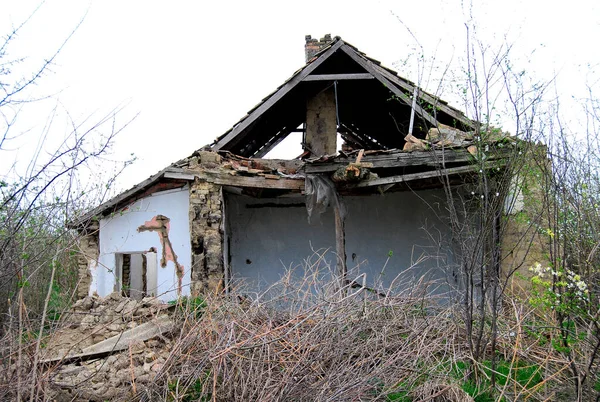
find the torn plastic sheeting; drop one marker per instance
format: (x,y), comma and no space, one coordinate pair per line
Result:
(320,193)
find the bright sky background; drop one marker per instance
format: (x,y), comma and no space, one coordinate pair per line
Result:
(192,69)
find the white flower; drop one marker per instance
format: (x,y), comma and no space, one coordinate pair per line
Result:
(538,269)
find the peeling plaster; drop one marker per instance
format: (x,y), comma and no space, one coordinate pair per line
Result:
(161,225)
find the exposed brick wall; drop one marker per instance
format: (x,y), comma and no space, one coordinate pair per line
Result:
(126,275)
(313,46)
(88,255)
(206,217)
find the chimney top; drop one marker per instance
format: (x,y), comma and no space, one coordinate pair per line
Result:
(314,46)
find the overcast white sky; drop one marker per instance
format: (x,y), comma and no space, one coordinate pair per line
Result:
(192,69)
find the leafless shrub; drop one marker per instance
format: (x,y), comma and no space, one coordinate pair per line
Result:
(311,339)
(37,199)
(440,392)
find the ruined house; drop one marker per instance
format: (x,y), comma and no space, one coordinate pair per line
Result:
(374,150)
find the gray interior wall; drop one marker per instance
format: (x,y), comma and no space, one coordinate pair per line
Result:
(136,275)
(400,231)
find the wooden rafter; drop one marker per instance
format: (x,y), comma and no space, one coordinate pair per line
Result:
(273,142)
(370,67)
(256,113)
(434,101)
(339,77)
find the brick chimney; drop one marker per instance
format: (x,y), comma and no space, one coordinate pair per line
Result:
(314,46)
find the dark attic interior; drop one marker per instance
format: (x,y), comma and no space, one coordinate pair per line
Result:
(340,90)
(374,209)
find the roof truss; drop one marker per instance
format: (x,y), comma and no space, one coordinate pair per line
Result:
(255,135)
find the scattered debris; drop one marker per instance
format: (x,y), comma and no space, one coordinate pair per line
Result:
(447,136)
(106,345)
(352,173)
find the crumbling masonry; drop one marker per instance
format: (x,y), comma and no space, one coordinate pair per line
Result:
(87,258)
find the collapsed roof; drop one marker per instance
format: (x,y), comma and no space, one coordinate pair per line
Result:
(373,105)
(376,111)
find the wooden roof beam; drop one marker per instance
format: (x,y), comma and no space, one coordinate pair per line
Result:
(434,158)
(437,103)
(339,77)
(370,67)
(226,179)
(273,142)
(420,176)
(287,87)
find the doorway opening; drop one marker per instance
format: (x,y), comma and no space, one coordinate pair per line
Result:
(136,274)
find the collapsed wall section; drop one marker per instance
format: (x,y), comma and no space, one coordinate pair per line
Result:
(87,260)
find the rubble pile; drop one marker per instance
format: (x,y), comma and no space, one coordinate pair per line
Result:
(443,136)
(73,375)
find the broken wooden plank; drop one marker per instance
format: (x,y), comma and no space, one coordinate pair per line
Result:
(226,179)
(143,332)
(419,176)
(403,159)
(181,175)
(338,77)
(360,156)
(396,159)
(259,182)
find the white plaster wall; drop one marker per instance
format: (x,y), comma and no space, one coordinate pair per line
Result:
(118,234)
(404,232)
